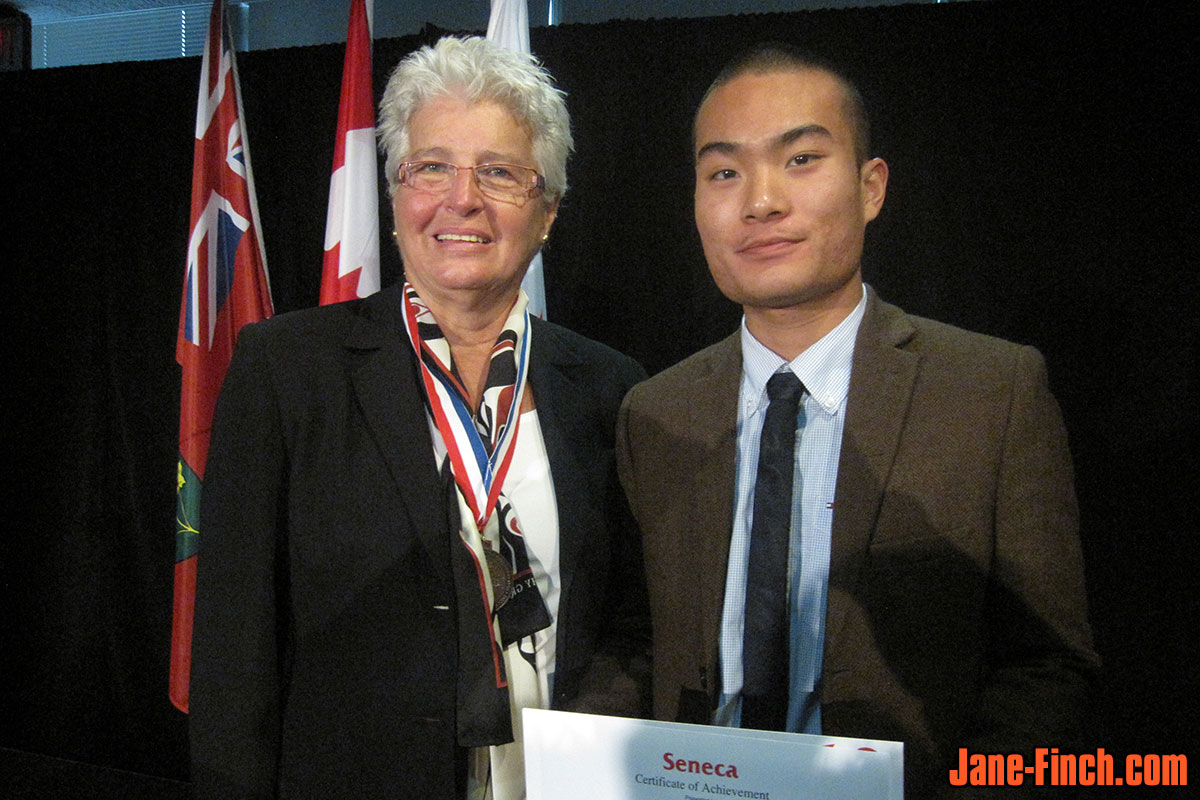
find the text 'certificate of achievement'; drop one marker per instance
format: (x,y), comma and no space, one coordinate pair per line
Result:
(592,757)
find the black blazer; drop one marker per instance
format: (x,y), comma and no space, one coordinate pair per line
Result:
(325,645)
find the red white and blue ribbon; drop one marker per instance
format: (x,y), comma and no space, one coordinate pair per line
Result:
(480,447)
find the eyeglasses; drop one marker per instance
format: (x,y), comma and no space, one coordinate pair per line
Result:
(505,182)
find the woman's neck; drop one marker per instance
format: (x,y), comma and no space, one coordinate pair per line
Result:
(471,329)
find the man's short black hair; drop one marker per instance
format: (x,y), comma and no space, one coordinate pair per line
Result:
(769,57)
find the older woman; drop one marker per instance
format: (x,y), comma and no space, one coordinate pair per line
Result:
(412,526)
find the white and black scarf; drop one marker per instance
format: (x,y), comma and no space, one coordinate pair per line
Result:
(479,448)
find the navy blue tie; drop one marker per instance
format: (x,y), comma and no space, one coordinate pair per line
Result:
(765,650)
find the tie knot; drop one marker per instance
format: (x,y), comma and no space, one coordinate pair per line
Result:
(784,386)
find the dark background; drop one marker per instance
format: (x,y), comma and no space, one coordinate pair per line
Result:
(1042,189)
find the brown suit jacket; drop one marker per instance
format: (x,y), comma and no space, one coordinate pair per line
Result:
(956,613)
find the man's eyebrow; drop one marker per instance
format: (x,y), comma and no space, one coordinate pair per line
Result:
(803,131)
(783,140)
(724,148)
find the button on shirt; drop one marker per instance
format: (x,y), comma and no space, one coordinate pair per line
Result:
(824,369)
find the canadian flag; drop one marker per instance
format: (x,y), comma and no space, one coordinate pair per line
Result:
(351,265)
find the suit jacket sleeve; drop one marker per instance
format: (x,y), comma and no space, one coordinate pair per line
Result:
(235,684)
(1038,659)
(609,620)
(1040,646)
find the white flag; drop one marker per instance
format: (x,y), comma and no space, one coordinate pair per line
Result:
(509,27)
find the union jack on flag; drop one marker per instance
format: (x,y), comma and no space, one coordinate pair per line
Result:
(224,287)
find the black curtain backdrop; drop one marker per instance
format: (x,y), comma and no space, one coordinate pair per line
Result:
(1041,190)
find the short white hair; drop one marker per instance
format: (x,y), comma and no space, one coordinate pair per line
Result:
(477,69)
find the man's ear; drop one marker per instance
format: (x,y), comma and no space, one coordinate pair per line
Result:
(873,176)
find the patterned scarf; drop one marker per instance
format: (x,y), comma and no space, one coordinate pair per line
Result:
(498,598)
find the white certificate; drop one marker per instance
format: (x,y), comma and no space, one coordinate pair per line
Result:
(592,757)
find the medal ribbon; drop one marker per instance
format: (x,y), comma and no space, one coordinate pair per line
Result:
(479,464)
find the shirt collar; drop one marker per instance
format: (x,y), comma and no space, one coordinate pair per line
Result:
(824,368)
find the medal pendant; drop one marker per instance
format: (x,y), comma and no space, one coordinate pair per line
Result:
(501,575)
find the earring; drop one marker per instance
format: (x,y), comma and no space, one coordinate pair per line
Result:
(545,238)
(393,233)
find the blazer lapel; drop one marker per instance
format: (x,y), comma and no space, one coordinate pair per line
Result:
(881,386)
(384,379)
(713,404)
(555,394)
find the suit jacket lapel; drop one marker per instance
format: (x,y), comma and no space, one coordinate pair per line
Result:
(555,394)
(714,413)
(384,377)
(881,386)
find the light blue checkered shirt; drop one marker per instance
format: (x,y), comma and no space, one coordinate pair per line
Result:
(824,369)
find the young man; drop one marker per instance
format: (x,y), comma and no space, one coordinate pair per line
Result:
(856,522)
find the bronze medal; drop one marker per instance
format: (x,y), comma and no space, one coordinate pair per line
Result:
(500,571)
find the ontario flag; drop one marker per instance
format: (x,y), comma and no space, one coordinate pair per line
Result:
(224,287)
(351,266)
